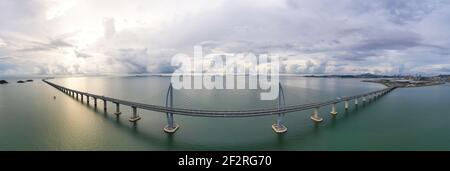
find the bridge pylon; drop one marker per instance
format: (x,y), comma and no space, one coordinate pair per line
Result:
(279,126)
(171,127)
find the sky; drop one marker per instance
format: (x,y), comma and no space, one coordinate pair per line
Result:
(84,37)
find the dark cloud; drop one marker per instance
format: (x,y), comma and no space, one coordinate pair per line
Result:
(443,70)
(355,55)
(81,54)
(404,11)
(387,43)
(46,46)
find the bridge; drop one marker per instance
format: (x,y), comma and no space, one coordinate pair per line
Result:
(169,110)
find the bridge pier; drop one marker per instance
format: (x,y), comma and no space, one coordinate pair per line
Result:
(117,109)
(135,116)
(333,109)
(356,101)
(364,99)
(77,96)
(279,126)
(104,105)
(82,98)
(171,127)
(87,99)
(95,102)
(315,117)
(346,104)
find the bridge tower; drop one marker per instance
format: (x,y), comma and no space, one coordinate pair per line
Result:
(171,127)
(279,127)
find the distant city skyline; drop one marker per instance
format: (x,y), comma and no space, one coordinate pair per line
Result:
(92,37)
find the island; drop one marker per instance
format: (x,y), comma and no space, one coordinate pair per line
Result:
(3,82)
(20,81)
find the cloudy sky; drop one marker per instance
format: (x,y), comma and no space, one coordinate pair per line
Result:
(64,37)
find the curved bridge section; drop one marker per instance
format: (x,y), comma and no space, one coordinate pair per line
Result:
(170,110)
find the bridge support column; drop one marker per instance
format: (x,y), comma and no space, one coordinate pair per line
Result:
(95,102)
(104,105)
(171,127)
(356,101)
(346,104)
(333,109)
(364,99)
(135,116)
(279,126)
(77,96)
(82,98)
(87,99)
(315,117)
(117,109)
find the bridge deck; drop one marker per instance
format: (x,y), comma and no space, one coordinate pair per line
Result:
(221,113)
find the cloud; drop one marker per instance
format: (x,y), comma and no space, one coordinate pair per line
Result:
(46,46)
(81,54)
(109,27)
(324,36)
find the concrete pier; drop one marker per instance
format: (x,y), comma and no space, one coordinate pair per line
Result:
(356,101)
(87,99)
(82,98)
(279,128)
(104,105)
(117,109)
(315,117)
(135,116)
(346,104)
(333,109)
(95,102)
